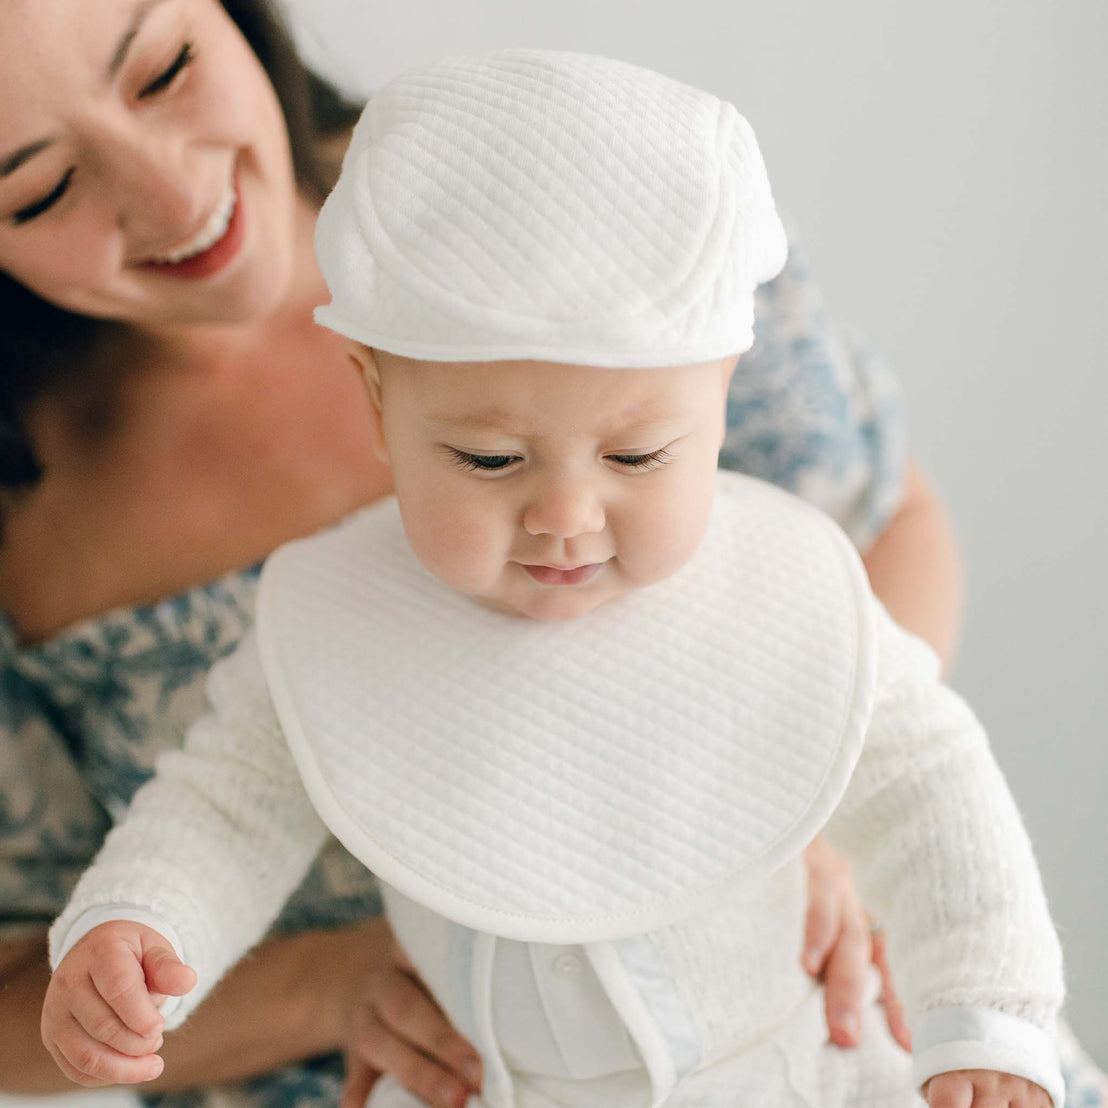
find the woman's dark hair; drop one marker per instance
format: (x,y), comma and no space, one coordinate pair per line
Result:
(42,346)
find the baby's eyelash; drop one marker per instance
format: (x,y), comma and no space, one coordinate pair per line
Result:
(643,461)
(164,79)
(486,463)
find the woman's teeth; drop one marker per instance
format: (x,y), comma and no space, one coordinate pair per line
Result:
(205,239)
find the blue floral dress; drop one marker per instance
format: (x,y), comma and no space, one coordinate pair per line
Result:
(84,715)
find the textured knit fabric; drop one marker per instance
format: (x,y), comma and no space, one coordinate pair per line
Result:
(926,819)
(646,200)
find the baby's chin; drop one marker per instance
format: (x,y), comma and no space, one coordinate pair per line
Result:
(558,603)
(546,609)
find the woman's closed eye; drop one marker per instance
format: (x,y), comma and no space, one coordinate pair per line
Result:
(48,201)
(185,58)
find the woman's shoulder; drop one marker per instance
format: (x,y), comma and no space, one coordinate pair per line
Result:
(75,561)
(43,640)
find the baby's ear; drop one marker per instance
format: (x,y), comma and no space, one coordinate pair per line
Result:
(365,363)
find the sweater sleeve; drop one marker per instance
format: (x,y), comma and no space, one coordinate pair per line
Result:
(944,862)
(214,844)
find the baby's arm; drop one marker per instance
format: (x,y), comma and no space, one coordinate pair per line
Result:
(207,854)
(944,863)
(100,1019)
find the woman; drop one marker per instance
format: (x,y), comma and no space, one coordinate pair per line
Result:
(169,415)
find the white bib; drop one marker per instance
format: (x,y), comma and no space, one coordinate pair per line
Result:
(584,780)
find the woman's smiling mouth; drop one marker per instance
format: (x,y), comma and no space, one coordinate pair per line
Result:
(212,247)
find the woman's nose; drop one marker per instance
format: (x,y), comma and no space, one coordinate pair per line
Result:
(564,510)
(158,197)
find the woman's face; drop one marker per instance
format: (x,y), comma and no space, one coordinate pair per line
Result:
(145,173)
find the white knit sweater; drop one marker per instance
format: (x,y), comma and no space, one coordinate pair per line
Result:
(212,847)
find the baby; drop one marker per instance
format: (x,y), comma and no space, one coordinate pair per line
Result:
(576,699)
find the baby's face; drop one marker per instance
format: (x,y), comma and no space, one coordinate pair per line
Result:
(547,490)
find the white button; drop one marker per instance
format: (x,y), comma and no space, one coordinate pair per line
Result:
(568,966)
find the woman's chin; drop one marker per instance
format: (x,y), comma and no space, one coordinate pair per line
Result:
(248,296)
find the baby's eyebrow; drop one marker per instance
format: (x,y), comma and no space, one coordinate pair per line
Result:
(642,421)
(487,420)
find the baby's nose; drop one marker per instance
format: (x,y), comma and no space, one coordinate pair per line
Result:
(564,511)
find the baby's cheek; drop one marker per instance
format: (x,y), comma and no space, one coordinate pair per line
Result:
(457,549)
(658,545)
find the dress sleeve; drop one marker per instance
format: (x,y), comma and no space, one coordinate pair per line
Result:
(50,827)
(214,844)
(816,412)
(943,860)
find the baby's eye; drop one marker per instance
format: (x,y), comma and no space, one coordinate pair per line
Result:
(487,462)
(642,461)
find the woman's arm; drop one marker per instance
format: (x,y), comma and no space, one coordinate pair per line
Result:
(915,569)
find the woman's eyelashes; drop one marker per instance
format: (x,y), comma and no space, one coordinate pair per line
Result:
(185,57)
(48,201)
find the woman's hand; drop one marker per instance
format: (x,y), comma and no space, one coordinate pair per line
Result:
(839,945)
(392,1026)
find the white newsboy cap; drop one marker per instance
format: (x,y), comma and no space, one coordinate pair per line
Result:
(548,205)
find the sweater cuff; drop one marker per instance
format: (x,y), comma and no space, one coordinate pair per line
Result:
(63,941)
(946,1039)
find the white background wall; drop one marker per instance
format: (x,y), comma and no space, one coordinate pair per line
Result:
(947,166)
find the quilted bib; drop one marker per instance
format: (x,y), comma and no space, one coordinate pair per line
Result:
(585,780)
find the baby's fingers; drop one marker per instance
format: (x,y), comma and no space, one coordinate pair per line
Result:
(90,1063)
(101,1023)
(166,974)
(120,981)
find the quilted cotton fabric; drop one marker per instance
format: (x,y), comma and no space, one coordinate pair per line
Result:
(578,781)
(535,204)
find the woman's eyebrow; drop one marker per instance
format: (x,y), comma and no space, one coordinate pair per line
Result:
(11,162)
(14,160)
(142,10)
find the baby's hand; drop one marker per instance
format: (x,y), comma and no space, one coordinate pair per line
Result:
(100,1020)
(984,1089)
